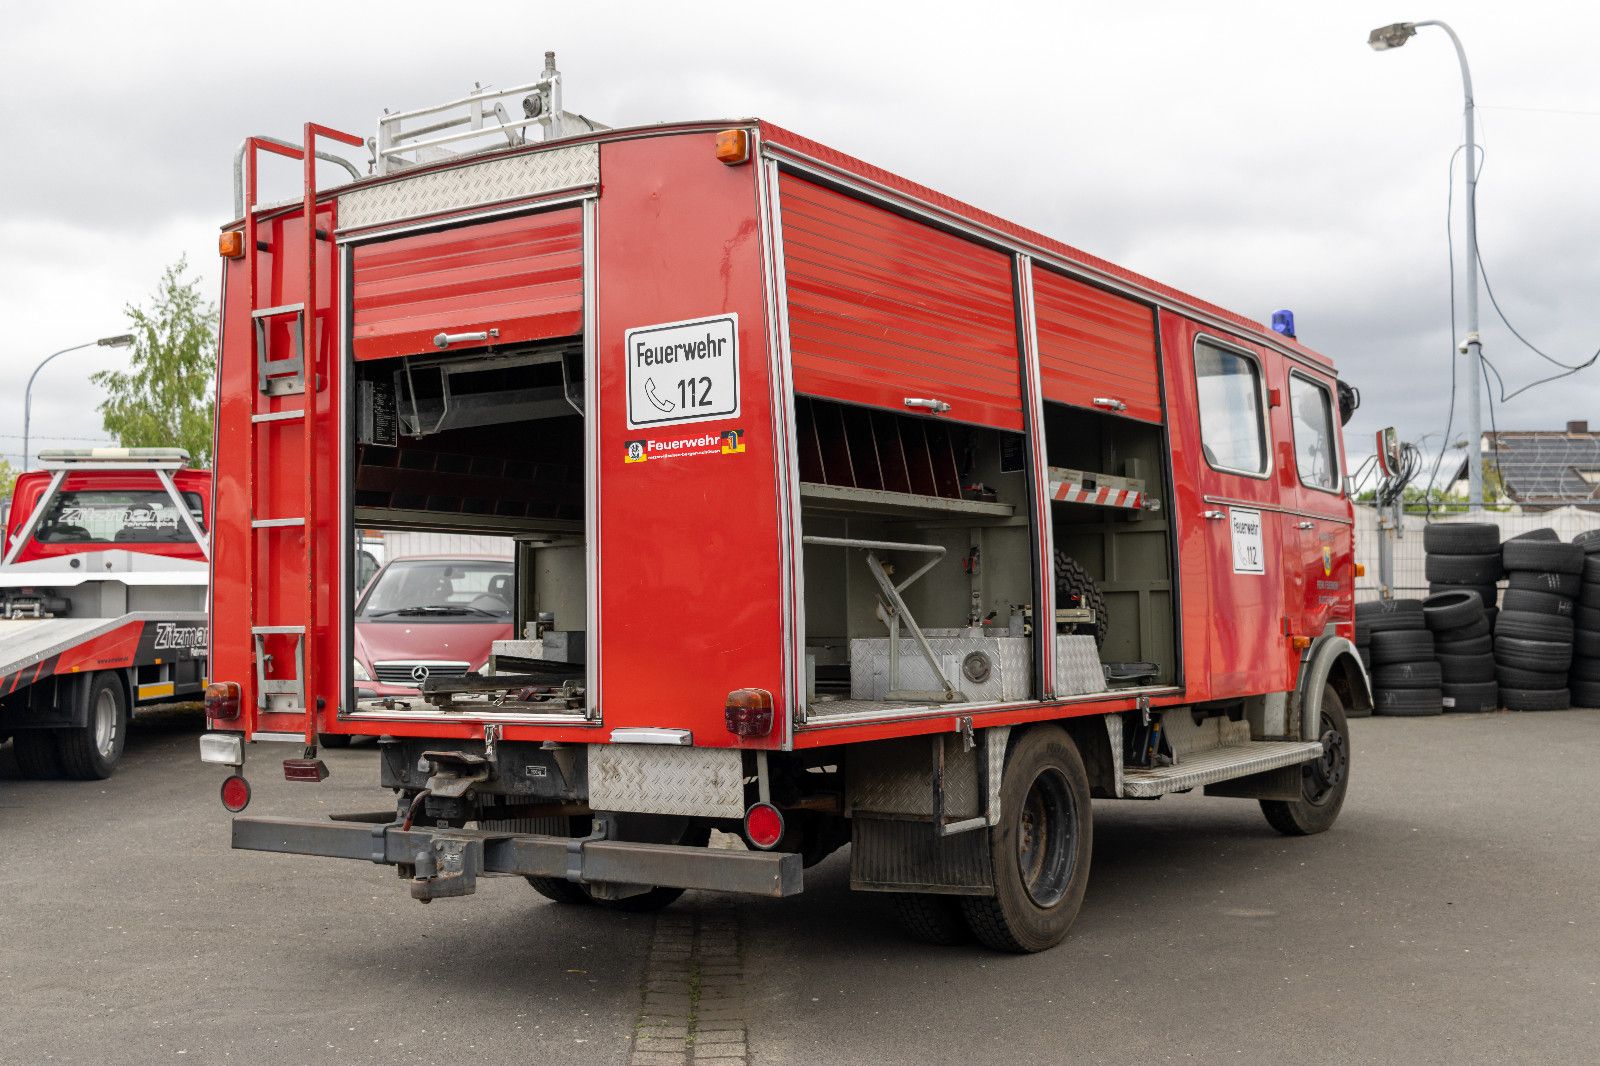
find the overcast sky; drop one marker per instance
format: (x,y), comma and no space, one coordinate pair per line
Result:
(1257,155)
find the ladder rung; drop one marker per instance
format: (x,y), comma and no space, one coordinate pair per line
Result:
(267,631)
(274,523)
(275,312)
(278,416)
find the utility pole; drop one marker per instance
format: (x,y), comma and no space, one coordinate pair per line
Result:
(1393,36)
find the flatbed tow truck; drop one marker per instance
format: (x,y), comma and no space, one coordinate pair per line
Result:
(103,588)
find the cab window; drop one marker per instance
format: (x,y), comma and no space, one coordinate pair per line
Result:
(1232,433)
(118,516)
(1315,451)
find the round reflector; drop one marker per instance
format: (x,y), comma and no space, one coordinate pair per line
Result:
(763,826)
(235,793)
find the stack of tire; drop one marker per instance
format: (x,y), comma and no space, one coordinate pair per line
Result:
(1464,556)
(1463,649)
(1405,677)
(1533,639)
(1585,680)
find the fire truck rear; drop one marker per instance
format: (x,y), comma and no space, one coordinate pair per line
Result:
(843,512)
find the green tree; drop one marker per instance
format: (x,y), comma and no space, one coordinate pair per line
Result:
(8,477)
(163,398)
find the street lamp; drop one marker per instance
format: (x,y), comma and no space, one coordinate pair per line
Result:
(121,340)
(1393,36)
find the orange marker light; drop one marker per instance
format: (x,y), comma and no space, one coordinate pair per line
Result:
(230,244)
(1361,570)
(733,147)
(1300,643)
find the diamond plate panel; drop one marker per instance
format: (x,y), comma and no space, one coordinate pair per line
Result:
(474,185)
(1078,670)
(653,779)
(1009,673)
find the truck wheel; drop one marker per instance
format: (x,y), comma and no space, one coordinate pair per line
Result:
(1040,850)
(558,889)
(1322,781)
(35,750)
(932,919)
(694,836)
(91,752)
(334,740)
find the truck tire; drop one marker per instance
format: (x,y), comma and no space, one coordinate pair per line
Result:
(1515,677)
(1532,626)
(1538,603)
(1471,698)
(1408,675)
(1402,646)
(334,740)
(1589,540)
(1550,656)
(1483,646)
(1568,585)
(1535,699)
(1463,569)
(1460,538)
(1544,533)
(1591,562)
(1385,616)
(1075,588)
(1474,631)
(932,919)
(1452,610)
(1041,848)
(35,751)
(1489,594)
(90,752)
(1465,669)
(1585,694)
(1323,781)
(1408,702)
(1543,555)
(1587,617)
(1586,644)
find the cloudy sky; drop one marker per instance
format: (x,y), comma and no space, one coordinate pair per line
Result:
(1258,155)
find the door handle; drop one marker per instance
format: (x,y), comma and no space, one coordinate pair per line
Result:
(1110,403)
(1305,525)
(445,340)
(1213,516)
(938,407)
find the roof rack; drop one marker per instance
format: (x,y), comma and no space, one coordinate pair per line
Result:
(483,113)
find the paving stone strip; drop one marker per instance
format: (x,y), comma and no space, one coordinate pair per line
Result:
(693,998)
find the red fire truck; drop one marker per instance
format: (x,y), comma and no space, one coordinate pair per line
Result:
(845,513)
(102,602)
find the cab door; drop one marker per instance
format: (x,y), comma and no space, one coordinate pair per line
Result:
(1230,522)
(1321,513)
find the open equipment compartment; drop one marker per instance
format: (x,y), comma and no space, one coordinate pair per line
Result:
(469,368)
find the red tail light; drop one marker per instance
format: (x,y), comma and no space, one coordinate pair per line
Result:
(222,700)
(763,826)
(304,770)
(749,712)
(235,793)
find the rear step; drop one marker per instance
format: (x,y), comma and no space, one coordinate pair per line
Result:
(1219,764)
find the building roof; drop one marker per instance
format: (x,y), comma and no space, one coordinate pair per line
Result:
(1546,466)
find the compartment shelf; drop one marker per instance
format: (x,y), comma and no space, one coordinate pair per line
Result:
(843,498)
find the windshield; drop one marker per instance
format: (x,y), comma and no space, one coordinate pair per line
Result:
(441,588)
(118,516)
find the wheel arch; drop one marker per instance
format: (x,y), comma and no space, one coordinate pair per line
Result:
(1333,660)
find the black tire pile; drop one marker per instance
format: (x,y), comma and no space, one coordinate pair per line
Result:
(1464,650)
(1584,684)
(1535,634)
(1464,556)
(1398,651)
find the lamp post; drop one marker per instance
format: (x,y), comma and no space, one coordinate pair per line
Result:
(121,340)
(1393,36)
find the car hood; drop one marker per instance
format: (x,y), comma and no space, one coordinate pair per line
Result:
(467,642)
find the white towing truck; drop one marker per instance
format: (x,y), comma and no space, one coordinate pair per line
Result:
(102,602)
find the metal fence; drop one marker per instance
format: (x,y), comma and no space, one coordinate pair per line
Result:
(1410,578)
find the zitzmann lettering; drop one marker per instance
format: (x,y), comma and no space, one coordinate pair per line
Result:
(710,347)
(171,635)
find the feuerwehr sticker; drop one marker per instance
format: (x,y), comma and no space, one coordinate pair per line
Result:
(682,372)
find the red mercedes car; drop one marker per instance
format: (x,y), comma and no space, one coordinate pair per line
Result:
(430,616)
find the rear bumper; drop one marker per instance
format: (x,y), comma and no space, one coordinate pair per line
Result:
(447,862)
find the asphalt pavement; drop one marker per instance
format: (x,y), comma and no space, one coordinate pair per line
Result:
(1449,916)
